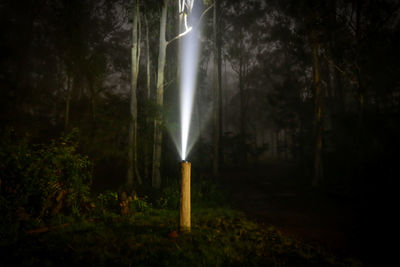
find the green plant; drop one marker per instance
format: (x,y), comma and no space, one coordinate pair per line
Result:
(139,204)
(41,180)
(108,201)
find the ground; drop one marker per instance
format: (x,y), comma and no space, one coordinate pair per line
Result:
(263,216)
(274,194)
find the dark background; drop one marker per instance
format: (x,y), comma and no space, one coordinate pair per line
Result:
(54,52)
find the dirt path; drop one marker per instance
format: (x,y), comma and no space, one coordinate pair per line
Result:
(273,195)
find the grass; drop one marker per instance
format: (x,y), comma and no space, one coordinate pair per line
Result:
(219,237)
(48,218)
(147,236)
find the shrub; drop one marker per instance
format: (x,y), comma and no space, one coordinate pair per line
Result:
(139,204)
(39,181)
(108,201)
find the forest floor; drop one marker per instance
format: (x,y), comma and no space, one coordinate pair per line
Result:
(274,194)
(265,216)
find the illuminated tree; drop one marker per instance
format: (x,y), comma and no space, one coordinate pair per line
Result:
(162,50)
(147,146)
(162,47)
(185,7)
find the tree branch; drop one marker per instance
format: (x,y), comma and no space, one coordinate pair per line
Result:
(191,28)
(204,13)
(180,35)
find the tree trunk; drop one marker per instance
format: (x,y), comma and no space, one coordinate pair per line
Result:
(318,95)
(92,109)
(225,104)
(132,142)
(242,112)
(271,144)
(148,96)
(277,146)
(285,143)
(148,71)
(332,83)
(67,103)
(217,103)
(361,92)
(219,59)
(360,89)
(156,176)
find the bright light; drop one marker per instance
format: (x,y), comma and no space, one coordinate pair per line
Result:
(189,59)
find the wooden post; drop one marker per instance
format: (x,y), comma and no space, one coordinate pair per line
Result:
(184,219)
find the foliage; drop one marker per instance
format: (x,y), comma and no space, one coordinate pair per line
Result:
(219,237)
(39,181)
(139,204)
(107,201)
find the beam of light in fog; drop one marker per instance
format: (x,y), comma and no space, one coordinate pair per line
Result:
(189,61)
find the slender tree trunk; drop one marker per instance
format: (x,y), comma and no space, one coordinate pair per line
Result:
(217,104)
(148,97)
(360,88)
(138,177)
(328,68)
(219,59)
(93,110)
(285,144)
(199,97)
(277,148)
(148,63)
(132,142)
(318,95)
(361,92)
(67,102)
(242,112)
(301,140)
(156,176)
(67,108)
(332,84)
(271,144)
(90,82)
(225,104)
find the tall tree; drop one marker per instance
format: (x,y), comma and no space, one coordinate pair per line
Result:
(135,59)
(217,92)
(318,102)
(163,43)
(241,51)
(147,147)
(162,49)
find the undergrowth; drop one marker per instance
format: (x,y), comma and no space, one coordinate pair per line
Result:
(50,219)
(219,237)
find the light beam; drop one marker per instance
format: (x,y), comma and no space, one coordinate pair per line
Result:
(189,59)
